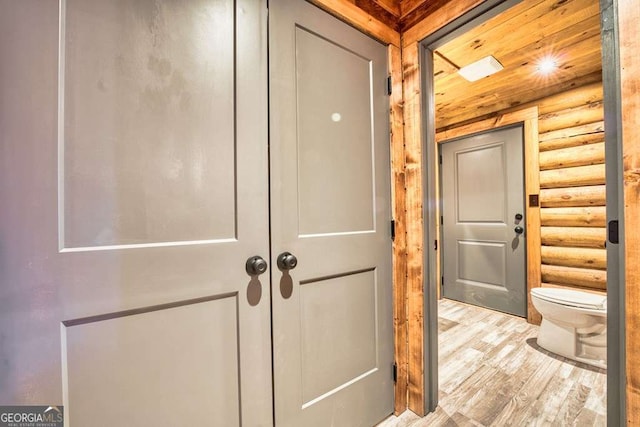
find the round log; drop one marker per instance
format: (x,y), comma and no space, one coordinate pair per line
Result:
(571,141)
(573,177)
(583,155)
(570,117)
(584,237)
(574,257)
(581,95)
(595,216)
(573,197)
(587,278)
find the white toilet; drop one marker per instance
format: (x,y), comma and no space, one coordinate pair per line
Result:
(574,324)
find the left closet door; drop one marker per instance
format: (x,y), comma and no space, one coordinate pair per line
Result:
(133,190)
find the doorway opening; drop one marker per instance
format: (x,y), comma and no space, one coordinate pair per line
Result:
(565,105)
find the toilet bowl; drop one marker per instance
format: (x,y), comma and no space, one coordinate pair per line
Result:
(574,324)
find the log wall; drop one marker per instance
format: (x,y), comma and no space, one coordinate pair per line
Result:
(572,194)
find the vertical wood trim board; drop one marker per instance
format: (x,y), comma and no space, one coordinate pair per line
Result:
(415,269)
(532,187)
(629,38)
(400,242)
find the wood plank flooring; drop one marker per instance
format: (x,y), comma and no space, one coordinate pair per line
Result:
(492,373)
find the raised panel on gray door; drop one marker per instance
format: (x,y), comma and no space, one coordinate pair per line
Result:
(483,237)
(330,199)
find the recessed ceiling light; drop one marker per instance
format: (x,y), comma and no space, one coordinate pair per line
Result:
(481,68)
(547,65)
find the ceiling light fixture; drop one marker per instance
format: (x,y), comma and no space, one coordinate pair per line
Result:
(547,65)
(481,68)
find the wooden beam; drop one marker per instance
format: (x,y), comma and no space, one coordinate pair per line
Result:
(400,242)
(629,39)
(353,15)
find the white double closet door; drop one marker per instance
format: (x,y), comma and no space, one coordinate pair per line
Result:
(139,184)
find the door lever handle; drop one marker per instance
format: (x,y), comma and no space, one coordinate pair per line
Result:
(287,261)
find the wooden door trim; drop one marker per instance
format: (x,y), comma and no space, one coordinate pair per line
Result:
(398,191)
(529,118)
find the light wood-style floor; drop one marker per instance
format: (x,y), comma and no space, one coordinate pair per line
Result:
(492,373)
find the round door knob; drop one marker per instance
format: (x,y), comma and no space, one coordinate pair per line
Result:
(255,266)
(287,261)
(519,230)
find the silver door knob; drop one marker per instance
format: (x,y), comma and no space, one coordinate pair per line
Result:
(255,265)
(287,261)
(518,230)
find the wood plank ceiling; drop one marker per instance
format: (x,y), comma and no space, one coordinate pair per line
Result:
(567,30)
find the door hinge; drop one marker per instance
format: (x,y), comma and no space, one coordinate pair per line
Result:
(614,236)
(435,245)
(441,220)
(393,230)
(389,85)
(440,159)
(395,372)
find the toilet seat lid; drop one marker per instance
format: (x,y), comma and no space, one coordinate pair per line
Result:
(571,298)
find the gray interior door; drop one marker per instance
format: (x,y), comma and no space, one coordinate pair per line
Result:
(483,224)
(330,207)
(133,165)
